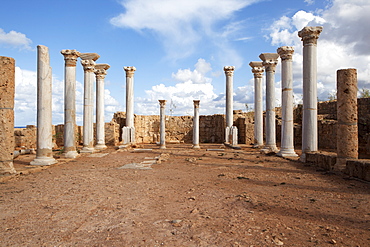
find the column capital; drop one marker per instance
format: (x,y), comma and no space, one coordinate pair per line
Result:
(162,103)
(257,69)
(89,56)
(130,70)
(88,65)
(269,61)
(286,52)
(101,70)
(229,70)
(70,57)
(309,35)
(196,103)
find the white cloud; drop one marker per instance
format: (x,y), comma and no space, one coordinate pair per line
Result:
(342,44)
(15,39)
(25,103)
(181,24)
(309,2)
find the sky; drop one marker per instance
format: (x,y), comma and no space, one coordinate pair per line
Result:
(179,48)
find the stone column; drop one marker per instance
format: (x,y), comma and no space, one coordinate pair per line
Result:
(70,58)
(130,95)
(196,124)
(44,152)
(88,63)
(258,69)
(162,128)
(7,85)
(347,132)
(100,73)
(229,72)
(287,127)
(269,61)
(309,37)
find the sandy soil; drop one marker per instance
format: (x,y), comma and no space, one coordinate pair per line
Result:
(188,198)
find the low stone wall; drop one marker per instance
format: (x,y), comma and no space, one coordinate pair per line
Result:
(325,160)
(25,137)
(358,169)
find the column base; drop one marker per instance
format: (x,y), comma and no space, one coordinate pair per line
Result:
(270,149)
(196,146)
(87,150)
(287,153)
(341,164)
(100,146)
(258,145)
(7,167)
(70,155)
(162,147)
(43,161)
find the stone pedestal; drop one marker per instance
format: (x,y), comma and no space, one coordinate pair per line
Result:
(162,128)
(100,73)
(70,57)
(287,127)
(7,85)
(229,72)
(309,37)
(196,125)
(130,95)
(258,69)
(269,61)
(44,152)
(88,63)
(347,132)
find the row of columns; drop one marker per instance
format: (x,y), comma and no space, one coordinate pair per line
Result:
(309,37)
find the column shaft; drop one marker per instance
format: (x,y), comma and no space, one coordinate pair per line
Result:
(269,61)
(196,124)
(70,57)
(44,153)
(347,131)
(257,69)
(162,127)
(130,95)
(309,37)
(100,72)
(287,127)
(229,71)
(7,86)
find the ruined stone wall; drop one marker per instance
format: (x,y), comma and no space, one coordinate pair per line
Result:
(25,138)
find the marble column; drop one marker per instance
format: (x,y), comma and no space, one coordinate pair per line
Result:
(287,127)
(347,131)
(269,61)
(7,91)
(196,125)
(257,70)
(70,58)
(44,152)
(100,73)
(309,36)
(162,127)
(130,95)
(88,63)
(229,72)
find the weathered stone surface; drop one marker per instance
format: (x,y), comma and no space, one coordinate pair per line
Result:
(7,85)
(359,169)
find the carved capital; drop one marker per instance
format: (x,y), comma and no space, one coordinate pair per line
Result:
(89,56)
(101,70)
(196,103)
(229,70)
(162,103)
(286,52)
(70,57)
(130,70)
(309,35)
(269,61)
(257,69)
(88,65)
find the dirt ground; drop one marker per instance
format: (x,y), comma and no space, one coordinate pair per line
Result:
(188,198)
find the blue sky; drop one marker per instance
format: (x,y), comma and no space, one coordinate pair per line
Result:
(179,48)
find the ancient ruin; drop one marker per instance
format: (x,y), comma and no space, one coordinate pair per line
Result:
(44,151)
(269,61)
